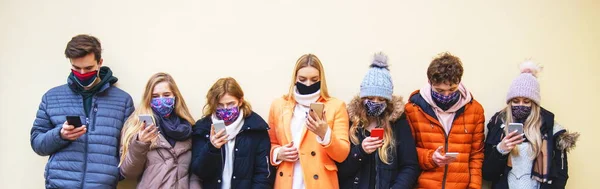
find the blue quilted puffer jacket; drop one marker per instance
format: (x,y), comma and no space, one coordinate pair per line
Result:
(92,160)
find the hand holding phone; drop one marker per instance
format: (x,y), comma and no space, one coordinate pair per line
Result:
(513,137)
(218,136)
(371,144)
(440,158)
(149,130)
(72,129)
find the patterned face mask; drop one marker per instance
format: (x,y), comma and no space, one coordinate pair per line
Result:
(445,101)
(521,112)
(163,106)
(228,115)
(374,109)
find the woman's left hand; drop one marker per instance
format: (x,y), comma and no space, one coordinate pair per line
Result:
(316,124)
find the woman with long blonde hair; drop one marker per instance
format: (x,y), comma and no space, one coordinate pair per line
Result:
(305,145)
(158,154)
(536,155)
(386,162)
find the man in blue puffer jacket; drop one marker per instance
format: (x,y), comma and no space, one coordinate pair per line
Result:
(85,156)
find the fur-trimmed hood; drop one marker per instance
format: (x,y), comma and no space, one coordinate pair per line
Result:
(357,104)
(566,139)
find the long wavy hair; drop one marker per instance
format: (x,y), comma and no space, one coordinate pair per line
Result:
(133,125)
(360,122)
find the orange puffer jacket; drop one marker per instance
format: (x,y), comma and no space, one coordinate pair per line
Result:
(465,137)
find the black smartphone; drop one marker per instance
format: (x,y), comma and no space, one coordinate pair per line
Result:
(74,120)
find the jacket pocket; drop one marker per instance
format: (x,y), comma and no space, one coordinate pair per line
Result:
(331,167)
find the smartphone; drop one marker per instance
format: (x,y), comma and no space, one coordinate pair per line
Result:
(318,109)
(515,127)
(74,120)
(377,132)
(451,154)
(219,125)
(146,118)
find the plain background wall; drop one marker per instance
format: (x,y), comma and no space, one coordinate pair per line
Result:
(257,42)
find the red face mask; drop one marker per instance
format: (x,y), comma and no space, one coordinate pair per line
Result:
(85,79)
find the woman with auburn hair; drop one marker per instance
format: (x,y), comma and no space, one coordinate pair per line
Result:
(158,154)
(306,143)
(236,156)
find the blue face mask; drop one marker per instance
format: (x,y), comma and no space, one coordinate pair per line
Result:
(374,109)
(163,106)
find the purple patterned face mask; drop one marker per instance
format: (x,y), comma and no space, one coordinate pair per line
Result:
(521,112)
(445,101)
(228,115)
(163,106)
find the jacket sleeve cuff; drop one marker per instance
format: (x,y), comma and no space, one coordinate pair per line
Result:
(139,146)
(500,150)
(327,139)
(57,138)
(275,154)
(213,149)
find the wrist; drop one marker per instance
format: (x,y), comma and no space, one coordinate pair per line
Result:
(501,150)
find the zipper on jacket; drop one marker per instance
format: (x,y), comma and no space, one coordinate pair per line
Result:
(92,114)
(446,136)
(176,166)
(86,141)
(445,166)
(562,160)
(268,169)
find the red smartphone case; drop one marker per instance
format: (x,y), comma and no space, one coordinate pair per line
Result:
(377,132)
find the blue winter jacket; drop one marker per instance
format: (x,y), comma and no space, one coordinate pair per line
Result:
(90,161)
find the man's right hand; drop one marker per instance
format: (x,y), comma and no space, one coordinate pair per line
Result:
(288,153)
(440,159)
(69,132)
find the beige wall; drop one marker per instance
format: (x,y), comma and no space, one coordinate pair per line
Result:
(257,42)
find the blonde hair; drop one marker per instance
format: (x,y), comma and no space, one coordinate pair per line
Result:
(133,125)
(531,127)
(306,61)
(222,87)
(386,152)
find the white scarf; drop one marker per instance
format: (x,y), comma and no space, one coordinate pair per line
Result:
(234,128)
(306,100)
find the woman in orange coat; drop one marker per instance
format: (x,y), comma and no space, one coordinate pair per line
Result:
(305,145)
